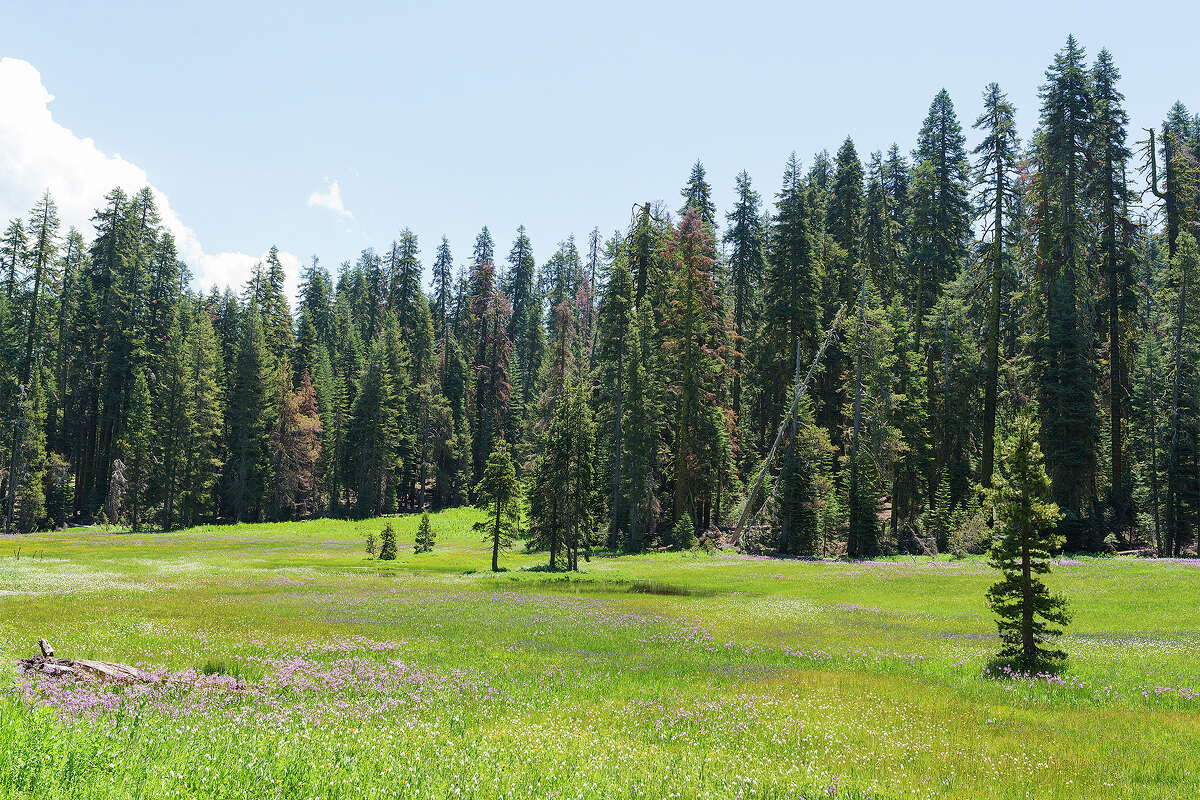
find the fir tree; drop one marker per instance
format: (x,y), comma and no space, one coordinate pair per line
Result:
(387,543)
(1110,196)
(249,423)
(685,532)
(498,495)
(996,194)
(1064,358)
(1029,616)
(135,450)
(424,541)
(746,239)
(697,195)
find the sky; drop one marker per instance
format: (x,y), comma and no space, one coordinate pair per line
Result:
(326,128)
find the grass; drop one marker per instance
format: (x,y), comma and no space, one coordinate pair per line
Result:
(294,666)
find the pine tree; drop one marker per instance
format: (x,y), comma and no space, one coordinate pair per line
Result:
(746,239)
(844,224)
(424,541)
(14,249)
(374,434)
(1029,616)
(498,495)
(1064,356)
(697,195)
(493,387)
(791,303)
(1183,380)
(640,435)
(695,352)
(997,187)
(525,324)
(405,285)
(201,443)
(443,289)
(296,451)
(613,346)
(135,450)
(387,543)
(798,484)
(561,487)
(249,423)
(941,211)
(685,532)
(43,227)
(25,506)
(1110,196)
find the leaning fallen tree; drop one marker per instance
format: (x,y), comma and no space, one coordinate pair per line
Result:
(88,669)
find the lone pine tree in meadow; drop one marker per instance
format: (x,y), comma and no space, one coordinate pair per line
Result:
(499,494)
(1029,616)
(387,543)
(424,539)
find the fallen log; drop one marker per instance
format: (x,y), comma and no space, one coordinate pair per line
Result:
(85,668)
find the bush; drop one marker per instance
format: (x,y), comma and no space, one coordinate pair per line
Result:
(387,543)
(424,540)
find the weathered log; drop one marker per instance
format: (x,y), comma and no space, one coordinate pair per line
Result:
(90,669)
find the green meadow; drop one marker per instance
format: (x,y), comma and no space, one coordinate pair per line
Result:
(292,665)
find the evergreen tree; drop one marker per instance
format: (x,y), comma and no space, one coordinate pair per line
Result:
(424,541)
(746,239)
(1029,616)
(387,543)
(697,195)
(844,224)
(640,435)
(249,422)
(373,431)
(135,450)
(498,495)
(443,289)
(996,194)
(1110,196)
(791,305)
(695,351)
(296,451)
(201,443)
(26,503)
(1064,353)
(1183,380)
(14,249)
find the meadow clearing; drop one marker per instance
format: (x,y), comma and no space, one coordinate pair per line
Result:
(293,666)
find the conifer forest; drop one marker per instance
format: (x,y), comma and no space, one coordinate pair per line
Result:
(955,377)
(640,376)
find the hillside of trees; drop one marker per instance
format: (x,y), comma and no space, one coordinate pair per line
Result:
(639,379)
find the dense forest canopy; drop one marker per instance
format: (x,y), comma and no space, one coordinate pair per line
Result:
(635,384)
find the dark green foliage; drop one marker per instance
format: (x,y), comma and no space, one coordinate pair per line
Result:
(424,541)
(387,543)
(685,533)
(1065,361)
(249,421)
(1029,616)
(498,494)
(645,378)
(697,195)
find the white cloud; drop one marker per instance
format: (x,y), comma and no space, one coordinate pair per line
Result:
(37,153)
(331,199)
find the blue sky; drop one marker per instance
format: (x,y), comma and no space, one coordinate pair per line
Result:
(445,117)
